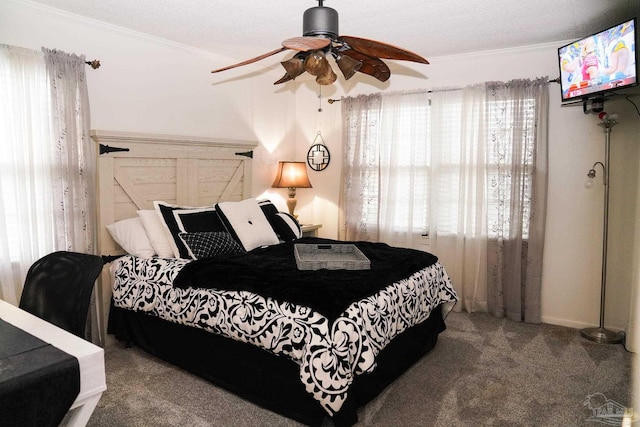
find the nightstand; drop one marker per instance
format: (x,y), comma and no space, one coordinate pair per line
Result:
(310,230)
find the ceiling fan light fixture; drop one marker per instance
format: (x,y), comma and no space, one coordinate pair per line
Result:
(327,76)
(352,54)
(283,79)
(315,63)
(347,65)
(294,67)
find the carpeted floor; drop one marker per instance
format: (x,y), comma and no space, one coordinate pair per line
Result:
(483,371)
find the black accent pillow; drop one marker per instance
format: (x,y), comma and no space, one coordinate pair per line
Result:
(285,225)
(209,244)
(177,219)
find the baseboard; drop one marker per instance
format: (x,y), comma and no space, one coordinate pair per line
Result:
(577,325)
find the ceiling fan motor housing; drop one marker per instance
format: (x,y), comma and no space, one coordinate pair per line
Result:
(320,22)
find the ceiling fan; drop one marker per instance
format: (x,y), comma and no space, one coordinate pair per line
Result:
(320,39)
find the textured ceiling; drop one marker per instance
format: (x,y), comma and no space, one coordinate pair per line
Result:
(242,29)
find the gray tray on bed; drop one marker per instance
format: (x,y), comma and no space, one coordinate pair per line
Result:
(330,257)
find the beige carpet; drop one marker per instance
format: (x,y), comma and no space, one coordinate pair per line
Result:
(483,371)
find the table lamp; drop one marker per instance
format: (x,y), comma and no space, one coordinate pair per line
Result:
(291,175)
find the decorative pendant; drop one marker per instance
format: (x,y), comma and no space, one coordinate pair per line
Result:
(318,156)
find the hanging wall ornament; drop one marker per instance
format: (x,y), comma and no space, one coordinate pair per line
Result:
(318,156)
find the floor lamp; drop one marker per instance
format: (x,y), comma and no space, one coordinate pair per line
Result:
(601,334)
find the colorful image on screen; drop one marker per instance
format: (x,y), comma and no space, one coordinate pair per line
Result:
(599,63)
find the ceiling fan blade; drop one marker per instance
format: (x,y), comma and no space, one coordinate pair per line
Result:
(380,50)
(370,65)
(252,60)
(304,44)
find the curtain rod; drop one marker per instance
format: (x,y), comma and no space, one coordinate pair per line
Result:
(331,101)
(95,64)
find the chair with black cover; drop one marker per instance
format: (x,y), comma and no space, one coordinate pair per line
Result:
(58,289)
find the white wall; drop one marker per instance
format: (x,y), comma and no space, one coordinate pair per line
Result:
(149,85)
(633,330)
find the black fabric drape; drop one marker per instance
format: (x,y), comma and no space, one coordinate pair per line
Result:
(38,382)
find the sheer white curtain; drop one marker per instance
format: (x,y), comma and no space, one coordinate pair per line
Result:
(47,164)
(385,188)
(458,230)
(403,173)
(27,219)
(467,167)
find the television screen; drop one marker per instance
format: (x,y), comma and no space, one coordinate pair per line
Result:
(599,63)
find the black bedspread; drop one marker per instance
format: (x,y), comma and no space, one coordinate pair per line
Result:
(272,272)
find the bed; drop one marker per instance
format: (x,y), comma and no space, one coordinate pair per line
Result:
(230,303)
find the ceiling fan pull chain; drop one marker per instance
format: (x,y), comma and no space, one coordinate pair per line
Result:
(320,98)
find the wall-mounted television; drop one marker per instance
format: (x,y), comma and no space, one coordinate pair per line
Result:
(599,63)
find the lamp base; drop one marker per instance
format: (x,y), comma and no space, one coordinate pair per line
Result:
(602,335)
(291,204)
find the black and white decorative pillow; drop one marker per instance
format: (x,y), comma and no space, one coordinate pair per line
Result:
(285,225)
(177,219)
(209,244)
(268,208)
(246,222)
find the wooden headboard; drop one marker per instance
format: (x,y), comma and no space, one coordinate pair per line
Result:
(134,169)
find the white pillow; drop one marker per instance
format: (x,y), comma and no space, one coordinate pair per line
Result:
(131,236)
(247,223)
(155,230)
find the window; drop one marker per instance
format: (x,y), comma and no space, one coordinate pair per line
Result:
(451,164)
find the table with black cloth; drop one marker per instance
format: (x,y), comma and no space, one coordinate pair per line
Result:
(38,382)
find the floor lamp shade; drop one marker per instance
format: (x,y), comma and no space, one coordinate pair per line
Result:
(291,175)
